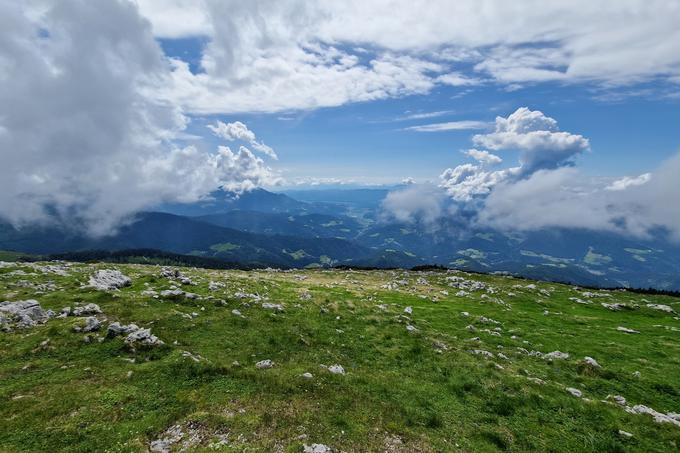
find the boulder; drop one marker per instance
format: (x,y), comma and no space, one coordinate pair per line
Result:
(87,310)
(264,364)
(24,313)
(109,279)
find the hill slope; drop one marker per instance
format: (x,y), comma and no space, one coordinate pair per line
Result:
(185,235)
(397,361)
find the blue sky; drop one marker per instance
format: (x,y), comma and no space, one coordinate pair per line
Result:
(632,129)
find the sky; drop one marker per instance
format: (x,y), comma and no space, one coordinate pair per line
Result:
(111,107)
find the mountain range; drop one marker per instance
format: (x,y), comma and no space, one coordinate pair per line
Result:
(323,228)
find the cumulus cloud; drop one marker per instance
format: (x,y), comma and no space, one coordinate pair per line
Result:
(239,131)
(536,136)
(546,190)
(483,157)
(84,138)
(266,56)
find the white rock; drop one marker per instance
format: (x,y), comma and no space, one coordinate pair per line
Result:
(91,324)
(661,307)
(658,416)
(25,313)
(626,330)
(116,328)
(87,310)
(270,306)
(109,279)
(408,310)
(556,355)
(264,364)
(575,392)
(317,448)
(625,434)
(592,362)
(142,337)
(336,369)
(307,375)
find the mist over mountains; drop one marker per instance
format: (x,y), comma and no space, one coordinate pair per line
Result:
(322,228)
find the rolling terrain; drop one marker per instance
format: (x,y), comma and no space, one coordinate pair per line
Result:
(348,227)
(171,359)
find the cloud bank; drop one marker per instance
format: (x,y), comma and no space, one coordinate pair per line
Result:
(545,190)
(84,137)
(266,56)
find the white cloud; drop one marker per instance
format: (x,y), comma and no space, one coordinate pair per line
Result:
(239,131)
(467,181)
(415,202)
(628,181)
(537,137)
(270,56)
(448,126)
(83,138)
(457,79)
(483,157)
(423,115)
(542,146)
(566,198)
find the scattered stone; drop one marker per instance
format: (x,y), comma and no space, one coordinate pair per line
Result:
(626,330)
(336,369)
(87,310)
(142,337)
(270,306)
(440,346)
(115,329)
(23,314)
(307,375)
(658,416)
(214,286)
(91,324)
(618,399)
(170,437)
(574,392)
(482,352)
(316,448)
(235,312)
(625,434)
(616,306)
(592,362)
(556,355)
(408,310)
(536,380)
(661,307)
(264,364)
(411,328)
(109,279)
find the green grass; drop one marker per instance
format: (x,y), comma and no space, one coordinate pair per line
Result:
(74,396)
(11,256)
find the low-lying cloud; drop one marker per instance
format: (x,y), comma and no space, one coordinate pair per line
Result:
(545,190)
(84,136)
